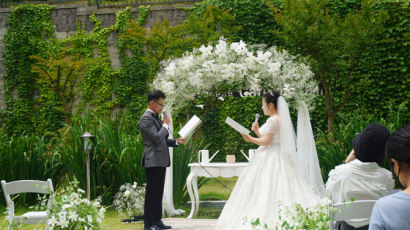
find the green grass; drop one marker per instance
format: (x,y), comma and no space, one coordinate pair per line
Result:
(111,221)
(212,190)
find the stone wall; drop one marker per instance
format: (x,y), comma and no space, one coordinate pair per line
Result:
(65,17)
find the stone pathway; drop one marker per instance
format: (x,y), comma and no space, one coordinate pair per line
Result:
(190,224)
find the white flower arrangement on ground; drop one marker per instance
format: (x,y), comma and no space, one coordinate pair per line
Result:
(297,217)
(70,210)
(234,67)
(130,199)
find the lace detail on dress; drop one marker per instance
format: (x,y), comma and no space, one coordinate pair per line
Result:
(271,125)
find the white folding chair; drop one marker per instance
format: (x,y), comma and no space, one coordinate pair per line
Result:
(26,186)
(351,210)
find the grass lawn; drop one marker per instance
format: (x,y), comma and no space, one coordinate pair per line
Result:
(111,221)
(212,190)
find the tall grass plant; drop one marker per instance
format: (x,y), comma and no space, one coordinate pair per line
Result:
(333,148)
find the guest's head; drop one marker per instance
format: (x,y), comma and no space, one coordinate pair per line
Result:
(270,103)
(156,101)
(398,153)
(369,145)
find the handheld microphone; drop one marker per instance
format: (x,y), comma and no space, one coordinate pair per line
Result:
(256,117)
(164,113)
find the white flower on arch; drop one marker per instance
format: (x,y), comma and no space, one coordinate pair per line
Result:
(252,68)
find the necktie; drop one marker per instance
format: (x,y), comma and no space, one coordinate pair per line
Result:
(157,116)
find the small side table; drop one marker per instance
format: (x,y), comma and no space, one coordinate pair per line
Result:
(216,170)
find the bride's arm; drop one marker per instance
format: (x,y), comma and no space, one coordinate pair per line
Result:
(265,140)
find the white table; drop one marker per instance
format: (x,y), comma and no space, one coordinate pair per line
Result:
(216,170)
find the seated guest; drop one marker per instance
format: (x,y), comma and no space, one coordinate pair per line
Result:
(393,212)
(360,177)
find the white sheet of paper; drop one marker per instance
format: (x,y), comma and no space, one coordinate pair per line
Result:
(189,127)
(235,125)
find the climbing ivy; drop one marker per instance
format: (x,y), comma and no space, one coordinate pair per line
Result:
(131,84)
(29,27)
(30,34)
(97,80)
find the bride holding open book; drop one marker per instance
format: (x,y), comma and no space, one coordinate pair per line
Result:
(272,177)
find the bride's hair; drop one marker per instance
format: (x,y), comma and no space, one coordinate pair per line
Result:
(272,97)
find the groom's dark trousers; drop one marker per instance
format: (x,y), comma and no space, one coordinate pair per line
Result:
(154,191)
(155,160)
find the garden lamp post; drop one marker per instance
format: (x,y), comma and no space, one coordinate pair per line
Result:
(87,149)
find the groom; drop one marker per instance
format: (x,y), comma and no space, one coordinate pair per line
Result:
(155,158)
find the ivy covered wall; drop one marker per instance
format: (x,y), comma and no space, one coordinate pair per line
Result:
(115,75)
(113,81)
(118,81)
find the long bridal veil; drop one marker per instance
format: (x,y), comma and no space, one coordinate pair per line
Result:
(301,150)
(287,133)
(307,158)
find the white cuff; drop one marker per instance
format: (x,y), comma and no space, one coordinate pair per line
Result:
(176,142)
(165,125)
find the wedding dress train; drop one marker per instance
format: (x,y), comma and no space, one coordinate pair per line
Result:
(270,179)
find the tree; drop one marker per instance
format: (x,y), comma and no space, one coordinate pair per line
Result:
(60,72)
(165,41)
(334,44)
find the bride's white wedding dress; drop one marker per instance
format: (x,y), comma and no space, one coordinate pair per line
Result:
(269,179)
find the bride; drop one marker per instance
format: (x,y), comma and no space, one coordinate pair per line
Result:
(272,176)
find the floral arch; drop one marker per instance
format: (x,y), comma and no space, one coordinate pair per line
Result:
(234,67)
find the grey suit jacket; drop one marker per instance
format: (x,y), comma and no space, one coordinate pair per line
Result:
(155,138)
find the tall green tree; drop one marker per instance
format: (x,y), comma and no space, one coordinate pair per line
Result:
(334,44)
(254,17)
(61,73)
(165,41)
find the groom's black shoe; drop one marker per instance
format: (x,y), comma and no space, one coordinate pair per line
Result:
(160,224)
(153,227)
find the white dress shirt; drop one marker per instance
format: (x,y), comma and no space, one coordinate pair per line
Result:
(360,181)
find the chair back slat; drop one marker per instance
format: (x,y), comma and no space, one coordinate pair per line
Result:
(353,210)
(6,195)
(28,186)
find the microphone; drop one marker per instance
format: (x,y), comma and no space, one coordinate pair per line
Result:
(256,117)
(164,114)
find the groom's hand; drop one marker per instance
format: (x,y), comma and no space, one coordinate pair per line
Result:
(166,120)
(181,140)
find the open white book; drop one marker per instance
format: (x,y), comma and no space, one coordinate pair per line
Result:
(192,124)
(235,125)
